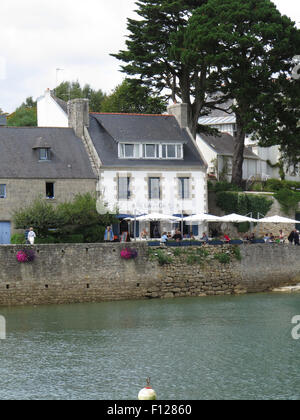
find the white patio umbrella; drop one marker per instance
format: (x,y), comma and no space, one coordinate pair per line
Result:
(237,218)
(158,217)
(278,219)
(201,217)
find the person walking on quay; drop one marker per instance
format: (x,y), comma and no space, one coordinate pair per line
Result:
(109,234)
(31,236)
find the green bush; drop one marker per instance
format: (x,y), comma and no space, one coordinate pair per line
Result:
(17,239)
(72,239)
(287,199)
(235,202)
(237,252)
(47,240)
(162,258)
(93,234)
(222,258)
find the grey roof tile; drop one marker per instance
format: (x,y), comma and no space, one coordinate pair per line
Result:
(224,145)
(107,130)
(19,159)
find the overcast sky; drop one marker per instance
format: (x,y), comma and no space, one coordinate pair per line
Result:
(38,37)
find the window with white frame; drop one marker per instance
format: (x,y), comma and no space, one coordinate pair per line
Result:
(154,188)
(2,190)
(129,150)
(44,154)
(172,151)
(123,188)
(184,187)
(150,151)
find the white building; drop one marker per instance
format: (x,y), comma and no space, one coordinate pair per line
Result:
(218,152)
(51,111)
(267,157)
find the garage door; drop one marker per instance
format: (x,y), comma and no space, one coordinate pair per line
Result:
(4,233)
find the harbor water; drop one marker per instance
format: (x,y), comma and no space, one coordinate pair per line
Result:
(234,347)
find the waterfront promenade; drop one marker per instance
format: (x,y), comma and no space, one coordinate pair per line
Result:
(71,273)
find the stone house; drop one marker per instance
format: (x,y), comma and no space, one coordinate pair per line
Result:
(51,163)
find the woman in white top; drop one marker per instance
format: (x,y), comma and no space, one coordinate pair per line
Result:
(31,236)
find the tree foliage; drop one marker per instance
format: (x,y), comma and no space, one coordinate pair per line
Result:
(25,115)
(73,90)
(131,97)
(77,217)
(156,56)
(250,47)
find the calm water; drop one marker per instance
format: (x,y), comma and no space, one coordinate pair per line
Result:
(194,348)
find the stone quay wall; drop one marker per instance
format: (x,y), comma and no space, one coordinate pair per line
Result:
(74,273)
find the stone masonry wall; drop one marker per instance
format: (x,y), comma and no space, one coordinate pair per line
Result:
(95,272)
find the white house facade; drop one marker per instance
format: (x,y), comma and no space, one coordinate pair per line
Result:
(218,152)
(149,164)
(51,111)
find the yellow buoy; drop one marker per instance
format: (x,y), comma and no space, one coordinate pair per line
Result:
(147,393)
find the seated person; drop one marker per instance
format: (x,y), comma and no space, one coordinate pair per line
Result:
(144,234)
(177,236)
(267,238)
(204,237)
(252,237)
(226,238)
(164,238)
(272,238)
(246,237)
(169,235)
(281,237)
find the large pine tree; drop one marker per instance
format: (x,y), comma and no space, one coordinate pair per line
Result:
(251,47)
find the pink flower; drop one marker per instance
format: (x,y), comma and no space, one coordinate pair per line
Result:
(22,256)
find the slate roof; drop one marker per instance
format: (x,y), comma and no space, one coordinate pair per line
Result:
(60,102)
(107,130)
(19,159)
(3,120)
(224,145)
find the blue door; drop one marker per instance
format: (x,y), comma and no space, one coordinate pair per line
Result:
(4,233)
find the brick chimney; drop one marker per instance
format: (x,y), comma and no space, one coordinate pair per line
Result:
(180,112)
(78,115)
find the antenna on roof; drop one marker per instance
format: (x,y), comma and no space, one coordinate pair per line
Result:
(57,70)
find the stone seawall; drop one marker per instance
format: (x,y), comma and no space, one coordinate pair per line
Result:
(96,272)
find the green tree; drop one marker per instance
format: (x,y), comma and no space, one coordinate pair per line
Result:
(249,46)
(72,90)
(156,55)
(25,115)
(40,214)
(132,97)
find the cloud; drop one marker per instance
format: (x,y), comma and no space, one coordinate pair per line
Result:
(39,37)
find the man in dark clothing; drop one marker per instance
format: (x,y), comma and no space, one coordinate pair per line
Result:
(294,237)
